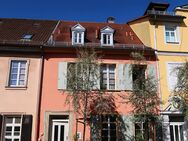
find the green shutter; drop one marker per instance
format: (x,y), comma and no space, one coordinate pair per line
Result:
(26,128)
(62,75)
(98,79)
(124,81)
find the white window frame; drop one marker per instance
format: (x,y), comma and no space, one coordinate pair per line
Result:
(59,123)
(109,32)
(176,34)
(177,124)
(77,37)
(13,125)
(109,39)
(18,73)
(78,34)
(107,71)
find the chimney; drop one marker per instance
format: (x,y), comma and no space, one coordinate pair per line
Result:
(110,20)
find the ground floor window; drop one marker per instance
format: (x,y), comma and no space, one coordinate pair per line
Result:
(12,128)
(145,131)
(16,127)
(176,128)
(104,128)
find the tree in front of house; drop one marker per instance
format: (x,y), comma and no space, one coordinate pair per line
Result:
(144,98)
(83,83)
(180,92)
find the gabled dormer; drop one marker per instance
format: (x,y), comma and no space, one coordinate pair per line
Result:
(107,38)
(78,32)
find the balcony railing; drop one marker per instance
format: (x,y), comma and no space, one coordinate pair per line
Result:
(161,12)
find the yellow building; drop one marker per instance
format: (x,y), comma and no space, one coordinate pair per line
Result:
(167,33)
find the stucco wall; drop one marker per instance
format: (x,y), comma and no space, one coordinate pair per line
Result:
(20,100)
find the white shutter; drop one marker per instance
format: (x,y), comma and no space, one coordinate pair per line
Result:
(172,75)
(62,75)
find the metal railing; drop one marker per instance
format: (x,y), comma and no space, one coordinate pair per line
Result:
(161,12)
(116,45)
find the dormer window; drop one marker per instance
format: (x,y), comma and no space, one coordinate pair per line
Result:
(78,34)
(107,36)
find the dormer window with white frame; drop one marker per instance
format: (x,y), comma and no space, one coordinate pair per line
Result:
(171,34)
(107,38)
(78,32)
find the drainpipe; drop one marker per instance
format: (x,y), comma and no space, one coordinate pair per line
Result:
(39,95)
(158,71)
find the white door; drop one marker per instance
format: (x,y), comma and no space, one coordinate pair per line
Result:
(60,130)
(176,131)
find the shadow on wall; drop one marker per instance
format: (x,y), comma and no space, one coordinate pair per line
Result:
(106,123)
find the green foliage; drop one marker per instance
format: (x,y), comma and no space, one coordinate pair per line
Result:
(181,88)
(144,97)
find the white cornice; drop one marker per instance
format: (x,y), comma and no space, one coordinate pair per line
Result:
(168,53)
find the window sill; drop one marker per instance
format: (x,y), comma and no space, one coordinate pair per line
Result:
(15,87)
(78,44)
(172,42)
(107,45)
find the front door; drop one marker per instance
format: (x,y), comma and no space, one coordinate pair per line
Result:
(60,130)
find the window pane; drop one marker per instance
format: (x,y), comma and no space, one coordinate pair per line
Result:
(13,82)
(15,64)
(62,134)
(56,133)
(181,133)
(171,133)
(17,120)
(22,71)
(14,70)
(8,128)
(22,76)
(104,39)
(176,133)
(23,64)
(21,82)
(14,76)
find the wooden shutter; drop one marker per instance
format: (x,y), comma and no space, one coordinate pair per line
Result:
(62,75)
(26,128)
(97,83)
(124,80)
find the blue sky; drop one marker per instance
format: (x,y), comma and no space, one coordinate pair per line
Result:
(79,10)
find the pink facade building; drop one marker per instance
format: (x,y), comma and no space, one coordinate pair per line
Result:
(115,42)
(21,43)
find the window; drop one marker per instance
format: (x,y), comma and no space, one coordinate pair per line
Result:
(105,126)
(172,75)
(171,34)
(107,36)
(58,128)
(78,34)
(78,37)
(144,131)
(17,75)
(138,75)
(176,128)
(107,39)
(12,131)
(27,37)
(108,76)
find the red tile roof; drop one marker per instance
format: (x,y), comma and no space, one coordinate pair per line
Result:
(12,30)
(123,33)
